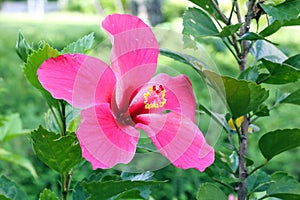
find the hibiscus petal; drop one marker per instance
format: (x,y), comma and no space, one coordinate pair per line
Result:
(104,143)
(178,139)
(78,79)
(179,95)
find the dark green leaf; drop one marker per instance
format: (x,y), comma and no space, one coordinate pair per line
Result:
(254,36)
(209,191)
(277,24)
(262,110)
(131,194)
(262,49)
(48,195)
(284,186)
(207,6)
(59,153)
(33,63)
(3,197)
(250,74)
(82,45)
(9,189)
(23,48)
(249,162)
(279,73)
(240,96)
(293,61)
(17,160)
(229,30)
(78,192)
(288,10)
(259,181)
(198,24)
(293,98)
(278,141)
(108,189)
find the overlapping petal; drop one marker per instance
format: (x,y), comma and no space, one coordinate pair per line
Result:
(78,79)
(178,139)
(104,142)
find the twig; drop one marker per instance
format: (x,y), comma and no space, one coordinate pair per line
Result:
(238,12)
(216,7)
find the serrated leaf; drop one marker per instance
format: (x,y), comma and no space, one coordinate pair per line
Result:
(277,24)
(82,45)
(23,48)
(293,98)
(48,195)
(209,191)
(108,189)
(278,141)
(17,160)
(198,24)
(33,63)
(60,153)
(229,30)
(279,73)
(10,189)
(284,186)
(262,49)
(259,181)
(293,61)
(288,10)
(233,90)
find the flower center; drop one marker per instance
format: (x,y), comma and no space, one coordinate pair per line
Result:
(155,97)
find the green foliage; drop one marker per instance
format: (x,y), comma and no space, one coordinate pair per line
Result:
(259,181)
(60,153)
(23,48)
(278,141)
(10,190)
(48,195)
(209,191)
(293,98)
(82,45)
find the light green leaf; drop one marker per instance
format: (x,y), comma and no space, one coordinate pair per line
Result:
(254,36)
(10,189)
(288,10)
(293,98)
(209,191)
(108,189)
(198,24)
(232,91)
(59,153)
(23,48)
(48,195)
(262,49)
(17,160)
(278,141)
(229,30)
(277,24)
(284,186)
(293,61)
(279,73)
(82,45)
(259,181)
(33,63)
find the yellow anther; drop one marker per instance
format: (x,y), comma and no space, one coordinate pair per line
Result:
(155,97)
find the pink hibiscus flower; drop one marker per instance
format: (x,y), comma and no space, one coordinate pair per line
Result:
(119,100)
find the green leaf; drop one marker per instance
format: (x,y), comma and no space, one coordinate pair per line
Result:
(33,63)
(198,24)
(293,98)
(48,195)
(17,160)
(288,10)
(229,30)
(277,24)
(250,74)
(209,191)
(78,192)
(262,110)
(254,36)
(278,141)
(10,189)
(279,73)
(293,61)
(82,45)
(60,153)
(2,197)
(232,91)
(131,194)
(207,6)
(262,49)
(259,181)
(284,186)
(23,48)
(108,189)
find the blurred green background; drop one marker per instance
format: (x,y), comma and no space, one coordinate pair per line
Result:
(78,18)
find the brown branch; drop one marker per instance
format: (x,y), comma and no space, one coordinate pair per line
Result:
(217,8)
(238,12)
